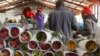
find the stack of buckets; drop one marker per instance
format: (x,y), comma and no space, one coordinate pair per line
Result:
(17,41)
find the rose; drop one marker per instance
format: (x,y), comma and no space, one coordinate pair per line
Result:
(14,31)
(4,33)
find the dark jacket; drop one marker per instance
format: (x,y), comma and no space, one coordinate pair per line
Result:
(89,25)
(62,20)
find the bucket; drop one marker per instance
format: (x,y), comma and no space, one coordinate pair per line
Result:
(27,54)
(14,32)
(24,47)
(14,43)
(18,53)
(71,45)
(48,53)
(43,36)
(2,44)
(56,44)
(4,33)
(69,53)
(88,45)
(81,52)
(59,53)
(25,37)
(32,45)
(7,52)
(37,53)
(45,46)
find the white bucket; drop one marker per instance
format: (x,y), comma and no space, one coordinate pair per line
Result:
(55,48)
(92,46)
(5,33)
(37,53)
(81,52)
(48,53)
(46,36)
(59,53)
(71,45)
(27,54)
(32,47)
(15,43)
(2,44)
(18,51)
(45,46)
(69,53)
(26,38)
(15,35)
(9,50)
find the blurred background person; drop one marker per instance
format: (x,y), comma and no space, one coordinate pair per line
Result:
(62,21)
(89,21)
(40,18)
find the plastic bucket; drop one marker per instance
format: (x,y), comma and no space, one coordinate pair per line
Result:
(7,52)
(14,43)
(48,53)
(88,45)
(81,52)
(43,36)
(25,37)
(56,44)
(14,32)
(37,53)
(27,54)
(32,45)
(71,45)
(69,53)
(45,46)
(18,53)
(2,43)
(4,33)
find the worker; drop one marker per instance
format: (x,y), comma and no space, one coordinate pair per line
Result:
(62,21)
(89,21)
(40,18)
(29,16)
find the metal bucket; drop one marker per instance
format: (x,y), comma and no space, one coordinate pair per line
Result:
(69,53)
(32,45)
(48,53)
(2,44)
(71,45)
(88,45)
(25,37)
(14,43)
(81,52)
(56,44)
(43,36)
(7,52)
(45,46)
(4,33)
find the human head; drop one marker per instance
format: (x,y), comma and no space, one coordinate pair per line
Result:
(39,9)
(59,3)
(87,11)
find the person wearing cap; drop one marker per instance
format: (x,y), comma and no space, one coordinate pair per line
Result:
(29,16)
(89,21)
(40,18)
(62,21)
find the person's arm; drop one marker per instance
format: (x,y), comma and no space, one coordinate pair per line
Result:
(88,28)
